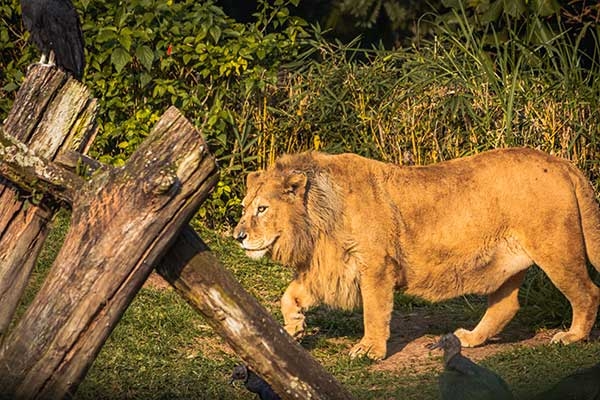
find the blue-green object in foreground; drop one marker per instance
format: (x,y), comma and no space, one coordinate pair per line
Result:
(253,383)
(462,379)
(580,385)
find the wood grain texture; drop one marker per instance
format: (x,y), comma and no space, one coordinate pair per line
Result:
(51,113)
(123,221)
(31,173)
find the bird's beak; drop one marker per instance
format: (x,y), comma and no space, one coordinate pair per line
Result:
(433,346)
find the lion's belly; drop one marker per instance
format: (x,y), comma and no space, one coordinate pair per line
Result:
(482,272)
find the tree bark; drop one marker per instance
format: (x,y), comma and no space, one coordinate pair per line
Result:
(123,221)
(249,329)
(32,173)
(50,114)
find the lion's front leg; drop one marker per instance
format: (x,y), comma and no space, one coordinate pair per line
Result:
(377,290)
(295,300)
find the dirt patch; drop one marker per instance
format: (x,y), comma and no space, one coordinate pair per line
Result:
(411,333)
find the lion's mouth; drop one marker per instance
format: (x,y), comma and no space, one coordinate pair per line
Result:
(258,252)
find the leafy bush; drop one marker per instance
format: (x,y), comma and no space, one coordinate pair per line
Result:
(146,55)
(14,54)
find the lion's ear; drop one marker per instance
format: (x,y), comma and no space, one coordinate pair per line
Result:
(252,178)
(295,183)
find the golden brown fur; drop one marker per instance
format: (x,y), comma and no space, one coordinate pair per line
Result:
(355,229)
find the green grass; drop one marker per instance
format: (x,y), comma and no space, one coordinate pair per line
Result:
(162,349)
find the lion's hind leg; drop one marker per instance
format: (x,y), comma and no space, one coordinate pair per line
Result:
(572,279)
(503,304)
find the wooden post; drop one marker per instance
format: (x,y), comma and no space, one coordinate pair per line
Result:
(50,114)
(249,329)
(123,221)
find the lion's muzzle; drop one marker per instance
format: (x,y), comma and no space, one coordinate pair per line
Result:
(239,234)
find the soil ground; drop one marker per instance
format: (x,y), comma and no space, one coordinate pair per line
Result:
(412,333)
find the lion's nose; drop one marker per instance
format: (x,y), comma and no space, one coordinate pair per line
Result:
(240,235)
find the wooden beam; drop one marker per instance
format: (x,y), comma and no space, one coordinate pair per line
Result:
(122,223)
(239,318)
(31,173)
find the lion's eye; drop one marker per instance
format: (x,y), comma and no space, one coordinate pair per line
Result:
(261,209)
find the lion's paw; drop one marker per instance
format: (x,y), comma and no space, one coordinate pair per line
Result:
(296,327)
(468,338)
(375,351)
(567,337)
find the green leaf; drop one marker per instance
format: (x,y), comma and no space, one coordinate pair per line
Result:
(515,8)
(215,33)
(492,13)
(119,58)
(125,40)
(145,79)
(546,8)
(11,86)
(146,56)
(106,34)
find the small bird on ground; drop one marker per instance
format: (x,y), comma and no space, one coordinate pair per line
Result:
(56,31)
(580,385)
(462,379)
(253,383)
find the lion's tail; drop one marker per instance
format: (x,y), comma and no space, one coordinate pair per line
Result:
(590,217)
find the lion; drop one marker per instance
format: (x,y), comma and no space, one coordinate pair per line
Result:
(355,229)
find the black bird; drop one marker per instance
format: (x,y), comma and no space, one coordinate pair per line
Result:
(463,379)
(253,383)
(56,31)
(580,385)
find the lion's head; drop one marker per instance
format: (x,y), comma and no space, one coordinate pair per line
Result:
(286,207)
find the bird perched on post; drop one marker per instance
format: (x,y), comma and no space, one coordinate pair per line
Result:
(253,383)
(580,385)
(463,379)
(56,31)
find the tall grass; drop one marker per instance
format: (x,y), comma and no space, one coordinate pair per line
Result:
(460,93)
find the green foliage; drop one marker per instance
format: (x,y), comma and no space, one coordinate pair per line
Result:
(146,55)
(446,99)
(14,54)
(224,202)
(486,11)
